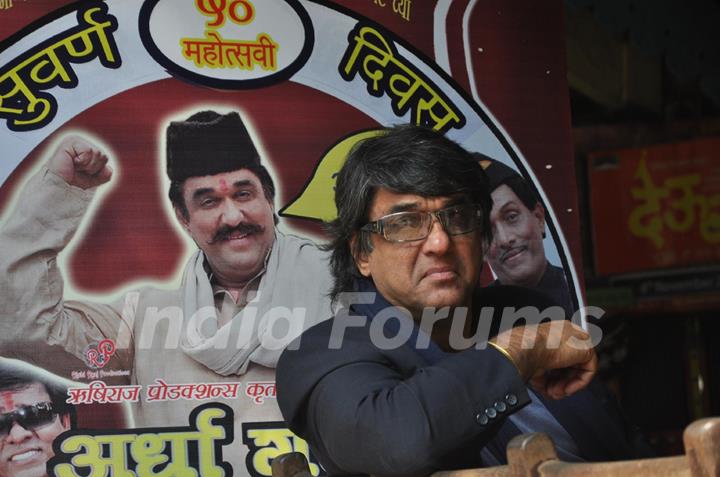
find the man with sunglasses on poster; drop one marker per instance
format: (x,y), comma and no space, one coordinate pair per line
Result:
(403,381)
(33,413)
(246,291)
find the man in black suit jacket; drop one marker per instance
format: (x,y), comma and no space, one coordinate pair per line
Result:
(403,381)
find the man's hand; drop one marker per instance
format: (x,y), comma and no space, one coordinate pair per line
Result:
(556,357)
(80,163)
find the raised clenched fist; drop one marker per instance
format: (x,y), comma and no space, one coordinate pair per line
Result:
(80,163)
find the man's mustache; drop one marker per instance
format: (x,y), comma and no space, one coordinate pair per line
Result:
(511,251)
(244,228)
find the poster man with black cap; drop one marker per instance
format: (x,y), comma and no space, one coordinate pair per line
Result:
(517,253)
(245,293)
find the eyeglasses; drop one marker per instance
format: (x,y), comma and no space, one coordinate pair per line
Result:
(30,417)
(412,226)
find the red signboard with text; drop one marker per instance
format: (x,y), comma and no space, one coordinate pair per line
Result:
(656,207)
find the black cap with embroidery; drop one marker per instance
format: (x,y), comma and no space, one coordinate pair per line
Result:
(209,143)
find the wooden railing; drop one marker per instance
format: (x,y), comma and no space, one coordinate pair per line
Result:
(533,455)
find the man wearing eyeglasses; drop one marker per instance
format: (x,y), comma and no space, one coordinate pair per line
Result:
(393,385)
(33,413)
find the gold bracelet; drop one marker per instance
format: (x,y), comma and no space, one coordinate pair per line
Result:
(504,353)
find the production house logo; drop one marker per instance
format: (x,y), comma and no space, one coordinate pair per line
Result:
(97,355)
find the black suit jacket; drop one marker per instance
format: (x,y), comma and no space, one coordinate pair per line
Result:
(410,411)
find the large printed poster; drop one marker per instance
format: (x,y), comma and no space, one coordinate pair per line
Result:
(84,269)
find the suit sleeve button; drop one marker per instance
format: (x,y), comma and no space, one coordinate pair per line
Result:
(491,412)
(511,399)
(500,406)
(482,419)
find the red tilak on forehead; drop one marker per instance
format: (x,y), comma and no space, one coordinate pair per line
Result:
(6,397)
(223,186)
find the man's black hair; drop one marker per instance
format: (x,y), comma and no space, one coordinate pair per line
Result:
(522,189)
(500,174)
(404,159)
(16,378)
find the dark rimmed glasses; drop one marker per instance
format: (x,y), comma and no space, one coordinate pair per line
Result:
(412,226)
(30,417)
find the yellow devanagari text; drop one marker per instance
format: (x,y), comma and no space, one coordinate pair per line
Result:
(268,440)
(674,205)
(48,65)
(378,63)
(152,452)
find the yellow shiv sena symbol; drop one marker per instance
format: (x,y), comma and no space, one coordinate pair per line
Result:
(267,440)
(317,200)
